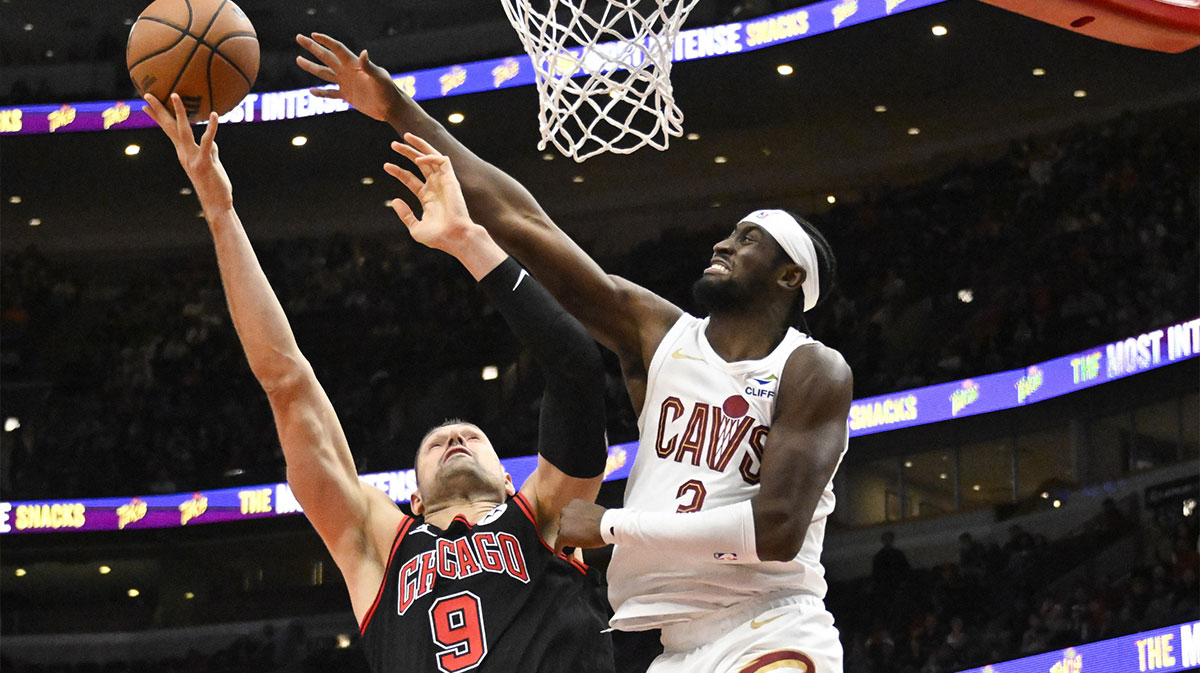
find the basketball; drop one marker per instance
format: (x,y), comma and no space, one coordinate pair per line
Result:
(204,50)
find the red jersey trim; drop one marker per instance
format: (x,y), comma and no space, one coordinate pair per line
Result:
(401,531)
(519,498)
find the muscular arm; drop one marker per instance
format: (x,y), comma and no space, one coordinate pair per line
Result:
(803,448)
(626,318)
(356,521)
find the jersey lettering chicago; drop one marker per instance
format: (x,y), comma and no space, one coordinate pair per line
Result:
(485,597)
(703,429)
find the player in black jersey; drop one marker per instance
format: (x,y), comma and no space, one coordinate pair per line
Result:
(471,582)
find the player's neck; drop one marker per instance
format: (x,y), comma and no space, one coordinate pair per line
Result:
(744,335)
(443,513)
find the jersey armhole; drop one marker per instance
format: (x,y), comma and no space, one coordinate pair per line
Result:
(660,355)
(527,509)
(401,531)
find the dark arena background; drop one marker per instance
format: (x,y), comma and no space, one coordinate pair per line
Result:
(1014,207)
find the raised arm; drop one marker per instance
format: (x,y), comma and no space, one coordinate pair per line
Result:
(356,521)
(802,452)
(626,318)
(571,442)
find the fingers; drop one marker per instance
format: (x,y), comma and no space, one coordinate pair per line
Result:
(316,49)
(181,119)
(311,68)
(363,59)
(327,92)
(406,178)
(158,113)
(407,151)
(333,47)
(420,143)
(208,139)
(405,213)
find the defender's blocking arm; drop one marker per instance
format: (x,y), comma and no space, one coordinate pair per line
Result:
(618,313)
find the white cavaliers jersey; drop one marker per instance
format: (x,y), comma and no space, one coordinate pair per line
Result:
(703,428)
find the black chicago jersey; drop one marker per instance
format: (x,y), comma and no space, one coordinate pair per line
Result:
(489,597)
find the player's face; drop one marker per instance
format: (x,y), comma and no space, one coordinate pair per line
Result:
(742,265)
(458,461)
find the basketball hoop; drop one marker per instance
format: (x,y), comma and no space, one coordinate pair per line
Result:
(603,72)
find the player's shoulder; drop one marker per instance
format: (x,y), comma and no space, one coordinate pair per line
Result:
(815,364)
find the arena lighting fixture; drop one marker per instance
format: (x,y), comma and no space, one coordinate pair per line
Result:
(938,31)
(831,199)
(692,136)
(28,27)
(908,463)
(975,487)
(912,131)
(387,204)
(1057,504)
(189,595)
(577,179)
(184,191)
(784,69)
(966,295)
(1045,495)
(133,593)
(547,156)
(1080,93)
(720,159)
(11,423)
(1038,72)
(881,108)
(490,373)
(943,476)
(299,141)
(104,570)
(14,199)
(456,117)
(368,180)
(35,221)
(132,149)
(49,53)
(343,641)
(19,572)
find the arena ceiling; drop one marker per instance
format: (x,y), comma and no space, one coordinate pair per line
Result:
(788,140)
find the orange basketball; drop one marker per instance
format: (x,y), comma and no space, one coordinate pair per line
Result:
(204,50)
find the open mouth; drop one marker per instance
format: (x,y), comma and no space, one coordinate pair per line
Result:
(717,267)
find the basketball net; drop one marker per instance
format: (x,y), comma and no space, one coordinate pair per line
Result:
(603,76)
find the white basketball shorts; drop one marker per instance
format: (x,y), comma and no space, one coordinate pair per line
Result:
(792,633)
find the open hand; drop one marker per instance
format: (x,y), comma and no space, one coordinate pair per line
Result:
(445,223)
(361,83)
(199,161)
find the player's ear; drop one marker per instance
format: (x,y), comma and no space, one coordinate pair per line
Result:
(417,505)
(792,276)
(509,489)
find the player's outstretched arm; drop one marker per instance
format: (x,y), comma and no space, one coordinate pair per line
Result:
(626,318)
(800,456)
(356,521)
(571,441)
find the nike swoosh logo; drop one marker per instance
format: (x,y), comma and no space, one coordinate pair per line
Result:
(680,355)
(520,278)
(755,624)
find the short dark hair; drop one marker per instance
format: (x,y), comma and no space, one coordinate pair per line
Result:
(826,271)
(430,431)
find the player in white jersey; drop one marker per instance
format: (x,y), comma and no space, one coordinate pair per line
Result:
(743,418)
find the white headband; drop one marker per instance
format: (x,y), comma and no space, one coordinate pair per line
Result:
(798,245)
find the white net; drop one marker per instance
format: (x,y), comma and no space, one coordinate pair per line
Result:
(603,71)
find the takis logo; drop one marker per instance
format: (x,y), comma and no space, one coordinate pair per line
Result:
(453,79)
(131,513)
(844,10)
(1072,662)
(963,397)
(505,71)
(761,390)
(616,460)
(891,5)
(61,117)
(115,115)
(190,509)
(1029,383)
